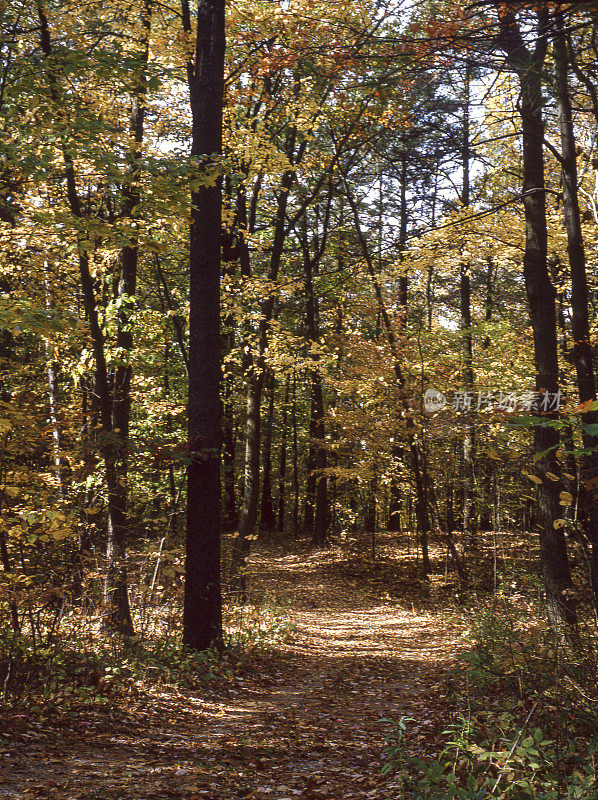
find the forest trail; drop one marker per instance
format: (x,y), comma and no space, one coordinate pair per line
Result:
(306,722)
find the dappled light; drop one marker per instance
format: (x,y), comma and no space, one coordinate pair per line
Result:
(298,400)
(303,718)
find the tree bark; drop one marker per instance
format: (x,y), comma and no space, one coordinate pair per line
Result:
(255,367)
(228,455)
(118,501)
(267,520)
(319,522)
(295,459)
(115,588)
(282,459)
(469,442)
(202,616)
(541,300)
(582,348)
(394,511)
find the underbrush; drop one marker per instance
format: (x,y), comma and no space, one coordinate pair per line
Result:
(525,725)
(77,659)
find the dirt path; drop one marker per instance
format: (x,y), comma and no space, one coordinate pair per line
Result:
(307,724)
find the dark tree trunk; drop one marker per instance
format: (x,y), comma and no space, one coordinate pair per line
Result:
(486,493)
(318,458)
(118,522)
(295,459)
(321,516)
(541,300)
(397,452)
(310,479)
(256,365)
(282,459)
(469,443)
(202,618)
(267,520)
(582,348)
(489,299)
(394,502)
(228,456)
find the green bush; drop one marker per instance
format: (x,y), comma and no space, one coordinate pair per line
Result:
(526,726)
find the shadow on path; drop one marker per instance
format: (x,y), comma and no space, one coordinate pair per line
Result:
(308,725)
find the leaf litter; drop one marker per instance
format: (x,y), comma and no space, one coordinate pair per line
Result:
(304,720)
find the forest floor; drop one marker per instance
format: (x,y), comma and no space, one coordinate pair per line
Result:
(308,719)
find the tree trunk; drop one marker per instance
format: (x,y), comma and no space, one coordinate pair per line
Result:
(52,375)
(202,617)
(321,515)
(469,442)
(228,455)
(541,300)
(248,515)
(282,460)
(256,364)
(317,428)
(397,452)
(267,520)
(115,589)
(295,459)
(582,348)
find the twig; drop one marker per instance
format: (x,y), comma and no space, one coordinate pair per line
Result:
(515,743)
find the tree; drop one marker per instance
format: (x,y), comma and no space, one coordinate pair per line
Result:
(582,348)
(202,621)
(527,64)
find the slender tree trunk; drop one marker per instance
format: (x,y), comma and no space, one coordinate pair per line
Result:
(282,459)
(319,509)
(52,375)
(582,348)
(116,595)
(310,477)
(485,522)
(255,369)
(469,442)
(267,520)
(423,483)
(321,515)
(541,300)
(118,523)
(202,616)
(397,452)
(248,514)
(228,455)
(295,459)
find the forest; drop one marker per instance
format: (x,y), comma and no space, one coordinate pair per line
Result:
(298,399)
